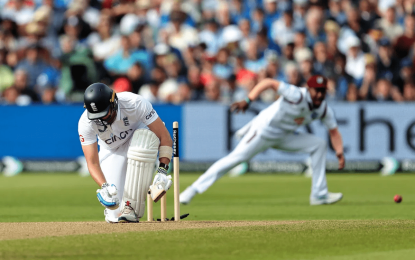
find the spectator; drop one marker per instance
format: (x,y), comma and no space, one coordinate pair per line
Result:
(321,64)
(18,11)
(404,75)
(26,94)
(300,38)
(32,64)
(253,62)
(136,76)
(180,35)
(282,30)
(368,86)
(6,74)
(195,84)
(150,91)
(78,69)
(385,92)
(292,74)
(47,85)
(368,12)
(355,60)
(124,59)
(257,20)
(288,54)
(272,69)
(104,42)
(342,80)
(409,91)
(335,12)
(210,35)
(271,13)
(222,68)
(404,42)
(300,10)
(371,40)
(304,58)
(387,64)
(391,28)
(332,33)
(238,10)
(212,91)
(314,23)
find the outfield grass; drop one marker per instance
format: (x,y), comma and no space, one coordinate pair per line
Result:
(367,224)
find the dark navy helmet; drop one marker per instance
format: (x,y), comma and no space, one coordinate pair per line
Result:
(98,99)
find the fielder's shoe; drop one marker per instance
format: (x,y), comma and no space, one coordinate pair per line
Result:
(161,185)
(330,198)
(187,195)
(127,214)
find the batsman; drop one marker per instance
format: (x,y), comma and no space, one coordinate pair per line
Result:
(275,127)
(131,136)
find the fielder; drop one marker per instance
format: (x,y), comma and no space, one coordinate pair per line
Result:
(275,128)
(130,136)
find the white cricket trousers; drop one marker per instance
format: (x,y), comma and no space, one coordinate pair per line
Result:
(114,166)
(253,143)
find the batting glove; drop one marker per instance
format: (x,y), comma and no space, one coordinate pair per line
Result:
(106,196)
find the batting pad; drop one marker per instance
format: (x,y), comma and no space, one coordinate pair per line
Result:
(142,155)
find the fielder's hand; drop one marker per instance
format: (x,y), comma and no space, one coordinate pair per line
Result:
(342,160)
(107,196)
(239,106)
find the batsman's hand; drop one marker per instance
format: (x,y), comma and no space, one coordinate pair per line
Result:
(342,160)
(239,106)
(107,196)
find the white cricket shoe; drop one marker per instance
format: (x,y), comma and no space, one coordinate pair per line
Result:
(108,219)
(127,214)
(330,198)
(187,195)
(161,185)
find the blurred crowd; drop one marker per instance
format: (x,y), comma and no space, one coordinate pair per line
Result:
(173,51)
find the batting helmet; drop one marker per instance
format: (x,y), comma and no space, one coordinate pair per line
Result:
(98,99)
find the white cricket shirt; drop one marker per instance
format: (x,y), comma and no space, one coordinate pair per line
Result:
(133,112)
(293,109)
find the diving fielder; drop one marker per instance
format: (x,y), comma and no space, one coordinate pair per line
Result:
(275,128)
(131,136)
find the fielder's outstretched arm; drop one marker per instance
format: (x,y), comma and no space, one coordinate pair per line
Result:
(254,94)
(92,159)
(337,142)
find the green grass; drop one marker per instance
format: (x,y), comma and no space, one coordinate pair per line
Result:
(367,224)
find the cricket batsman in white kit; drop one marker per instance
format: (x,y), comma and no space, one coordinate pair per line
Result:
(131,136)
(275,128)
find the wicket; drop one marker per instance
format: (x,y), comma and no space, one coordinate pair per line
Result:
(176,184)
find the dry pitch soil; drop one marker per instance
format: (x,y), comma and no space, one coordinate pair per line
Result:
(23,230)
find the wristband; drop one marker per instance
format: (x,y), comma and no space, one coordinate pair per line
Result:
(165,166)
(247,100)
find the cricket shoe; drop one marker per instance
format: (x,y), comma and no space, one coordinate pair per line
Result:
(161,185)
(128,214)
(108,219)
(187,195)
(330,198)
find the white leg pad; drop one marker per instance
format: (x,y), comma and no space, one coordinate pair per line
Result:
(142,155)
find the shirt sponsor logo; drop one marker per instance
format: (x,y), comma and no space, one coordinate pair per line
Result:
(113,138)
(150,115)
(94,107)
(126,122)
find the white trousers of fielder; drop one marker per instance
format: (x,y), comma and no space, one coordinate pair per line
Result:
(253,143)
